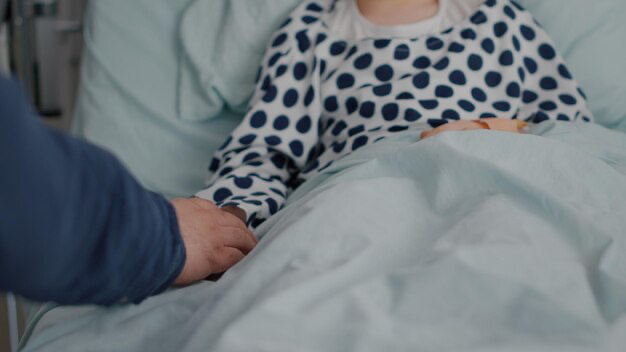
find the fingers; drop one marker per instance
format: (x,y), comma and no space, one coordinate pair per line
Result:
(226,258)
(239,238)
(203,203)
(236,211)
(236,217)
(452,126)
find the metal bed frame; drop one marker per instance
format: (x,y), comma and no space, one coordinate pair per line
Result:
(30,57)
(21,25)
(20,16)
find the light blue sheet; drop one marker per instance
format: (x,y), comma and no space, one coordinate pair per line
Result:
(470,241)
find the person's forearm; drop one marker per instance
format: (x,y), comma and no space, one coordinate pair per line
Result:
(75,227)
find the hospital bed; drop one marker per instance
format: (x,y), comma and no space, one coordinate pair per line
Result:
(161,88)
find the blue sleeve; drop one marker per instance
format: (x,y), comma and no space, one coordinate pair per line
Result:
(75,227)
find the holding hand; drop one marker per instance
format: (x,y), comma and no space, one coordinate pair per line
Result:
(214,239)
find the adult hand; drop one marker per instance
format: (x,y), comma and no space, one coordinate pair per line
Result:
(214,240)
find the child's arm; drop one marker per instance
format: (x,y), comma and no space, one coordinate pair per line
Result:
(549,91)
(276,139)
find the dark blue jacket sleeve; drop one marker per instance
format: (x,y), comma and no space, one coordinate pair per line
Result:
(75,227)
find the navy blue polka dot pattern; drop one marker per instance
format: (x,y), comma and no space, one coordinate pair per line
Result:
(258,119)
(564,72)
(411,115)
(321,95)
(345,80)
(451,115)
(310,95)
(291,98)
(479,18)
(314,7)
(467,105)
(402,52)
(475,62)
(281,123)
(270,95)
(421,80)
(364,61)
(273,140)
(221,194)
(568,99)
(352,104)
(479,95)
(456,48)
(458,77)
(548,106)
(405,96)
(359,142)
(281,70)
(382,90)
(299,71)
(500,29)
(337,48)
(280,39)
(296,148)
(303,41)
(547,52)
(527,32)
(444,91)
(309,19)
(489,46)
(548,83)
(493,79)
(390,111)
(521,74)
(531,65)
(367,109)
(421,62)
(529,97)
(243,182)
(506,58)
(304,125)
(429,104)
(339,127)
(510,12)
(516,43)
(502,106)
(338,147)
(442,64)
(381,43)
(330,104)
(434,43)
(513,90)
(356,130)
(468,34)
(384,73)
(247,139)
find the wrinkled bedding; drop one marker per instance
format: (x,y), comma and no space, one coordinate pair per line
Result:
(467,241)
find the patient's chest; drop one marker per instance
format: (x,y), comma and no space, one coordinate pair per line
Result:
(372,88)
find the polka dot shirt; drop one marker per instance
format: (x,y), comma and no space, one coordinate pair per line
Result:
(321,96)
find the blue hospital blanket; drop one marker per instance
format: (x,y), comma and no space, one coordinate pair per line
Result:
(468,241)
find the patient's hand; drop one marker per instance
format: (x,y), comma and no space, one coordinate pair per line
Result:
(236,211)
(215,240)
(495,124)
